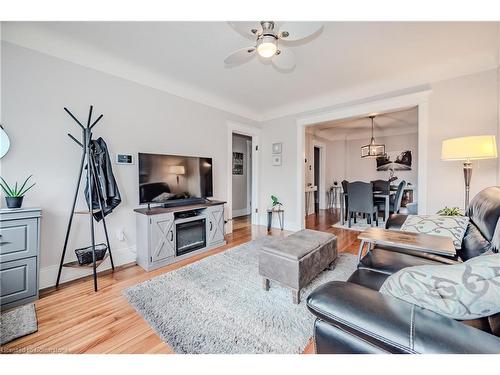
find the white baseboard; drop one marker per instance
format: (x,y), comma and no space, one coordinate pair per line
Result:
(48,275)
(242,212)
(288,225)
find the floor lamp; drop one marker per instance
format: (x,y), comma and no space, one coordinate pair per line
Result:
(467,149)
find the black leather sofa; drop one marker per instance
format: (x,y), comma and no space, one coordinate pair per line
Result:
(354,318)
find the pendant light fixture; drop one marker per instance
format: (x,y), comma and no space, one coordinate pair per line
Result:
(372,150)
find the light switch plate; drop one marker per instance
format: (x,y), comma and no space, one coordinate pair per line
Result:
(124,159)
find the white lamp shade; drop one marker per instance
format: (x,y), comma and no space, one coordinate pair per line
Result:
(469,148)
(176,169)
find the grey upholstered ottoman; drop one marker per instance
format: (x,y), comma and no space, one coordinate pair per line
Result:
(295,260)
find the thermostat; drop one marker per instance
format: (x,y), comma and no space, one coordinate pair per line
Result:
(124,159)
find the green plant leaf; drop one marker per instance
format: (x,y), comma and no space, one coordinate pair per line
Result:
(9,190)
(5,190)
(24,183)
(21,193)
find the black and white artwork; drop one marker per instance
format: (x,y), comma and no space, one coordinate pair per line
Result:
(395,161)
(237,163)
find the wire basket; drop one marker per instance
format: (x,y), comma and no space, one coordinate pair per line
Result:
(84,254)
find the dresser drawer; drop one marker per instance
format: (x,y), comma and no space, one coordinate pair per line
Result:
(18,280)
(18,239)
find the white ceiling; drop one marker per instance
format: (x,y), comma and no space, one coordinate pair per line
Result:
(385,124)
(346,58)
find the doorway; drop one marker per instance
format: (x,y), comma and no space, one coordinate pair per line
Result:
(316,178)
(241,194)
(417,99)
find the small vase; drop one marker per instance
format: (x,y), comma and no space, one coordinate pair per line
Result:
(14,202)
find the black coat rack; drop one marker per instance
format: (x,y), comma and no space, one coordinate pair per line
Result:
(87,160)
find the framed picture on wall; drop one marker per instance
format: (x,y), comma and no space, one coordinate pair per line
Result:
(277,148)
(395,160)
(277,160)
(237,163)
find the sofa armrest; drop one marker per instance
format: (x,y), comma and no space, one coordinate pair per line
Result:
(393,325)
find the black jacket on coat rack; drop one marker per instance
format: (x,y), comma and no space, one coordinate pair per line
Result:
(105,181)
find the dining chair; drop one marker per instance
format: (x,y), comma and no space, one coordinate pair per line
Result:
(344,184)
(361,201)
(384,187)
(394,200)
(381,185)
(398,197)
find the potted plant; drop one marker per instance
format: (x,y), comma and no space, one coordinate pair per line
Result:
(446,211)
(276,203)
(13,195)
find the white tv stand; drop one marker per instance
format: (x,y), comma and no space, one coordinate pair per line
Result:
(158,241)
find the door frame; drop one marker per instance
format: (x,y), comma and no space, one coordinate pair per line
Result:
(249,157)
(254,133)
(419,99)
(322,172)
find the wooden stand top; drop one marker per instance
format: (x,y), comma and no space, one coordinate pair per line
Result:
(412,241)
(164,210)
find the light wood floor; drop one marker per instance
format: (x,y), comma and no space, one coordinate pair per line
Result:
(75,319)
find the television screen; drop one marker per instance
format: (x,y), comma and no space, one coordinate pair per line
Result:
(166,178)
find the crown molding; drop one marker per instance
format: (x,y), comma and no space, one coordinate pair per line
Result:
(387,87)
(77,52)
(63,47)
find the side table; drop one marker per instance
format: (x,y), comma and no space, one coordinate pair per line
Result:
(281,217)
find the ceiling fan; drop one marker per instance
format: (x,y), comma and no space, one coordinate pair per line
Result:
(270,40)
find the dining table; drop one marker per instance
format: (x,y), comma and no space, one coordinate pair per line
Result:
(376,194)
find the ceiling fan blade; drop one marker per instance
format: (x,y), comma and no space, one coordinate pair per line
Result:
(292,31)
(248,29)
(284,60)
(240,56)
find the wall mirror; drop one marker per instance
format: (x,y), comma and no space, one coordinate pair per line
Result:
(4,142)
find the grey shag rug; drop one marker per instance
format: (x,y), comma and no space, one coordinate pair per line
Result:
(18,322)
(218,305)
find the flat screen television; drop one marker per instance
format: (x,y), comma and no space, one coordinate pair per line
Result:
(174,179)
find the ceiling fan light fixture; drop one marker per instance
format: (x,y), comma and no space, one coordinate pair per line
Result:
(266,46)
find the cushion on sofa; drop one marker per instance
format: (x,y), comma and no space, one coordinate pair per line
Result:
(461,291)
(448,226)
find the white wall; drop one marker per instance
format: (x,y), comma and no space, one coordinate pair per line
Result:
(461,106)
(36,87)
(240,182)
(279,180)
(355,168)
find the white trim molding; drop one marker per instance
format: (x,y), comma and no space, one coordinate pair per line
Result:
(48,275)
(28,35)
(418,98)
(254,132)
(242,212)
(322,172)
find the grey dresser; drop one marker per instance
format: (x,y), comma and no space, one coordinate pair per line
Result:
(19,256)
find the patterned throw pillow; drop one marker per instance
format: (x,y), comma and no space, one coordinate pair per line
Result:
(461,291)
(448,226)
